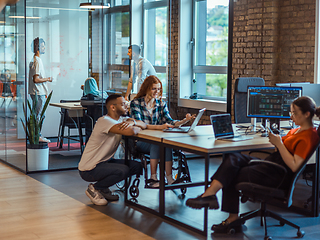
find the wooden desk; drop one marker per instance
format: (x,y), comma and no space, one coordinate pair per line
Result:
(201,142)
(75,110)
(158,135)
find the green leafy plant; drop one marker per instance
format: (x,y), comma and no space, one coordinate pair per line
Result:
(33,125)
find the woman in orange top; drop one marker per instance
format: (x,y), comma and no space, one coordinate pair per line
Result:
(291,151)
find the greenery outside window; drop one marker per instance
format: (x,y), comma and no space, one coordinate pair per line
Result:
(117,41)
(210,49)
(155,37)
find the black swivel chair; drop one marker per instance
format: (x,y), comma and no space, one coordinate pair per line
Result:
(94,109)
(240,97)
(265,195)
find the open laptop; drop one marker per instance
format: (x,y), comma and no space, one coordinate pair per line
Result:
(222,128)
(187,129)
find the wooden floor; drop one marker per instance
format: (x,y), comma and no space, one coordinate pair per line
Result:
(33,210)
(53,205)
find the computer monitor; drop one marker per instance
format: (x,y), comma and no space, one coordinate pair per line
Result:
(308,89)
(271,102)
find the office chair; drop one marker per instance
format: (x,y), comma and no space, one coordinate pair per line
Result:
(70,123)
(240,97)
(93,112)
(264,195)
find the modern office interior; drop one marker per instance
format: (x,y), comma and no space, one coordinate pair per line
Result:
(199,48)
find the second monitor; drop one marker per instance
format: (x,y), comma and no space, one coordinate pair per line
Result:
(271,102)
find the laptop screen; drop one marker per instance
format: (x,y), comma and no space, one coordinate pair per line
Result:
(197,119)
(222,125)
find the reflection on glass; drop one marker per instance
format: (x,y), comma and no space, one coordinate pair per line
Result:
(12,143)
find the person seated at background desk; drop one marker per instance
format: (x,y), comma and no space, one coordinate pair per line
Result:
(91,90)
(140,69)
(291,151)
(148,107)
(97,163)
(93,100)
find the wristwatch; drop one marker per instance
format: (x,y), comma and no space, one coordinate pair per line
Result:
(134,122)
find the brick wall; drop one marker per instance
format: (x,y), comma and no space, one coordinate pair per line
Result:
(272,39)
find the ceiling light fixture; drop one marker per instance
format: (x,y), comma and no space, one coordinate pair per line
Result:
(94,6)
(23,17)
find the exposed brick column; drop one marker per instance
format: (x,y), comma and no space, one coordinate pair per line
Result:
(297,41)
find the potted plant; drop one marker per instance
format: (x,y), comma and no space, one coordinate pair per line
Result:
(37,152)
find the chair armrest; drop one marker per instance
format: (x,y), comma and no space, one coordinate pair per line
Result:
(258,161)
(259,151)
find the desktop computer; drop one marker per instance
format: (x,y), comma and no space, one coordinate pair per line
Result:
(271,102)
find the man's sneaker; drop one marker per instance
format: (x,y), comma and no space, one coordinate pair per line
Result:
(43,139)
(107,194)
(95,196)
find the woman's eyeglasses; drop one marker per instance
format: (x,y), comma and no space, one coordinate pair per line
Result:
(291,114)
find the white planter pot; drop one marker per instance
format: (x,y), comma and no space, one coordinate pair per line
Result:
(38,159)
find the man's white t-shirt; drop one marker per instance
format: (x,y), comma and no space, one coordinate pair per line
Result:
(102,144)
(141,69)
(36,67)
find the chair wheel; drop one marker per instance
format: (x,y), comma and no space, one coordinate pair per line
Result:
(231,231)
(267,238)
(300,234)
(133,200)
(183,190)
(181,196)
(134,191)
(282,224)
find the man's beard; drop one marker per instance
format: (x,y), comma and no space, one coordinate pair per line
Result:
(123,114)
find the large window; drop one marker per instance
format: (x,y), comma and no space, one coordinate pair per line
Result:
(155,43)
(211,48)
(204,50)
(117,41)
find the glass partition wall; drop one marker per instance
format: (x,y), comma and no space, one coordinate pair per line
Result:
(12,85)
(62,29)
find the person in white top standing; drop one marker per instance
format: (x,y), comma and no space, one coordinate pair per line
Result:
(37,78)
(140,69)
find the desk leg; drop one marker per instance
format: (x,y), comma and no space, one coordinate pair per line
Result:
(126,161)
(80,134)
(162,172)
(206,175)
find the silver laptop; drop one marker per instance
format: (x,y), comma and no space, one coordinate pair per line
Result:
(222,128)
(187,129)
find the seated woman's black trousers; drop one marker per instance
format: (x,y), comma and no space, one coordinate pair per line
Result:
(235,169)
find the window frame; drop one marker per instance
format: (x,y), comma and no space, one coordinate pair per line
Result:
(213,103)
(152,5)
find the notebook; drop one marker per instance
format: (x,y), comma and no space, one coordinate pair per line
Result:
(187,129)
(222,128)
